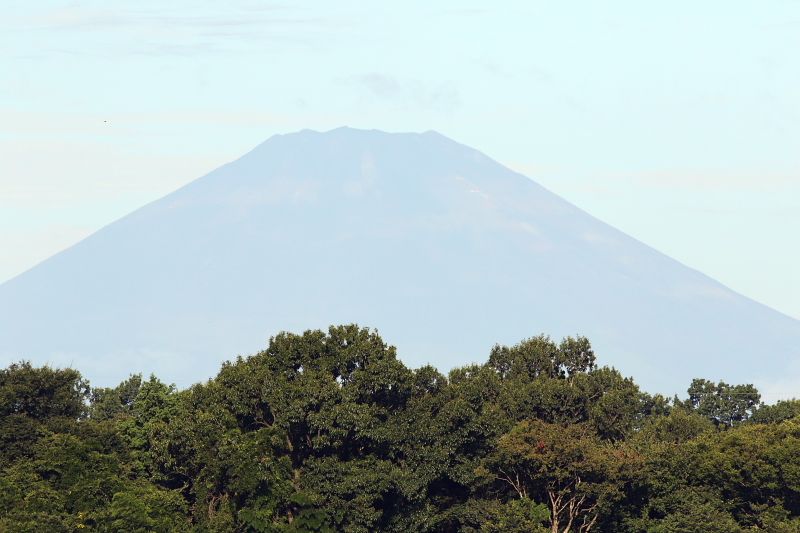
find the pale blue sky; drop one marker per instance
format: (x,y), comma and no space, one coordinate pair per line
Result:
(677,122)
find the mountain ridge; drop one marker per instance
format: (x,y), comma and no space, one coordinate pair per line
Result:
(434,219)
(426,132)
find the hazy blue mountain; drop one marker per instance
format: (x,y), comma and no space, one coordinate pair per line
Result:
(442,249)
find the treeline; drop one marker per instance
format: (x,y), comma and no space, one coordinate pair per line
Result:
(331,432)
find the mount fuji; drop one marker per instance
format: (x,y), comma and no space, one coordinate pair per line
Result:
(442,249)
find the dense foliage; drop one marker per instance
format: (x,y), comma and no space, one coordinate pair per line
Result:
(331,432)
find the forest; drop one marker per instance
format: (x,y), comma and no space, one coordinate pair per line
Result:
(329,431)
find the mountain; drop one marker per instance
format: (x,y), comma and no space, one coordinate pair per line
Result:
(442,249)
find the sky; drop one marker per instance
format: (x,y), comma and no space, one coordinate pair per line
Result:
(677,122)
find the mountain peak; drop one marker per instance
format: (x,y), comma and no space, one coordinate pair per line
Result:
(444,249)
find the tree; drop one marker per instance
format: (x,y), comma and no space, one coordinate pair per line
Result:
(680,425)
(300,429)
(569,468)
(773,414)
(521,515)
(328,431)
(107,403)
(42,393)
(725,405)
(144,508)
(541,357)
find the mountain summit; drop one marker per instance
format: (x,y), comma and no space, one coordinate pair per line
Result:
(443,249)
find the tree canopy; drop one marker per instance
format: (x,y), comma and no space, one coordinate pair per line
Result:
(329,431)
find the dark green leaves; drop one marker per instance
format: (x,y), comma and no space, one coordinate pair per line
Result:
(328,431)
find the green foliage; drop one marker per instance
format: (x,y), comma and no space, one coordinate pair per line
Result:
(568,466)
(521,515)
(145,508)
(108,403)
(680,425)
(723,404)
(541,357)
(772,414)
(42,393)
(328,431)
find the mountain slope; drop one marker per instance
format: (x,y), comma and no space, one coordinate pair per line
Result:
(441,248)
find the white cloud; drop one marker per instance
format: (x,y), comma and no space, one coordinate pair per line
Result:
(172,29)
(442,97)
